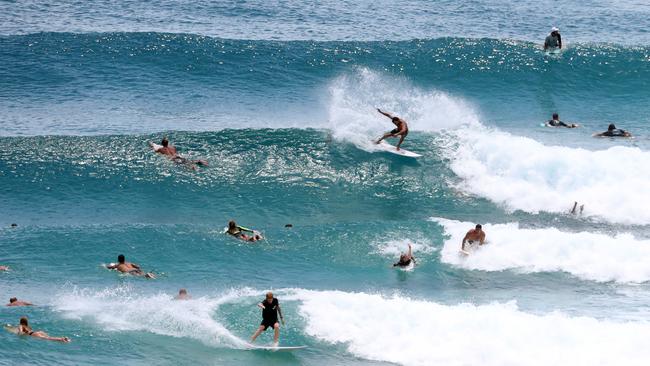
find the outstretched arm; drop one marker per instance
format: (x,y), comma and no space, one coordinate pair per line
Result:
(385,113)
(481,239)
(462,246)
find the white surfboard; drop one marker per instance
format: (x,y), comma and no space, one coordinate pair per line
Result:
(385,146)
(155,146)
(463,252)
(276,349)
(12,328)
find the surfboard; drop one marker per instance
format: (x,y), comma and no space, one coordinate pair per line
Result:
(410,267)
(276,349)
(463,252)
(385,146)
(11,328)
(155,146)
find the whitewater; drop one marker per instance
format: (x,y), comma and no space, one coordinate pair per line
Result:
(281,99)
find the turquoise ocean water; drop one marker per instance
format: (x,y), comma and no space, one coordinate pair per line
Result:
(279,97)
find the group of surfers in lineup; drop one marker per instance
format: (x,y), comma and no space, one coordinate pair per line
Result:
(270,306)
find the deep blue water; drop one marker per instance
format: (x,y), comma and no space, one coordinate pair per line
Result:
(279,97)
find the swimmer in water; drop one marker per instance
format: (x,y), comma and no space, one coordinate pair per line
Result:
(171,152)
(555,122)
(238,232)
(401,130)
(405,259)
(25,329)
(474,235)
(182,295)
(130,268)
(15,302)
(553,41)
(612,131)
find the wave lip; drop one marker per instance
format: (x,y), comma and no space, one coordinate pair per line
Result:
(409,332)
(523,174)
(586,255)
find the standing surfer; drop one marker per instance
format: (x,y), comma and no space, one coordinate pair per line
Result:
(270,310)
(402,128)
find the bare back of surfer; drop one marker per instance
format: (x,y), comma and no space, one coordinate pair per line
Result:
(171,152)
(238,232)
(127,267)
(473,236)
(401,130)
(25,329)
(15,302)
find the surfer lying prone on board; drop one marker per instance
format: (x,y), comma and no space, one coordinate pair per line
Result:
(612,131)
(15,302)
(405,259)
(401,130)
(171,152)
(25,329)
(130,268)
(555,122)
(474,235)
(238,232)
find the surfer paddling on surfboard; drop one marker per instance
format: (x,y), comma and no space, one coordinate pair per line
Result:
(555,122)
(405,259)
(473,236)
(130,268)
(25,329)
(270,310)
(238,232)
(401,130)
(170,151)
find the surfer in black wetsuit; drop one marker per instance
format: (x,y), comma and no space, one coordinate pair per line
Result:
(555,122)
(554,40)
(612,131)
(270,310)
(401,130)
(405,259)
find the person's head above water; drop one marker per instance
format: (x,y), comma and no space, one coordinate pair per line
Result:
(24,321)
(395,119)
(269,296)
(182,291)
(611,127)
(479,227)
(120,258)
(164,142)
(12,300)
(555,30)
(232,224)
(556,116)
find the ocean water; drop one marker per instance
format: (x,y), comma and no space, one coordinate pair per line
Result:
(280,98)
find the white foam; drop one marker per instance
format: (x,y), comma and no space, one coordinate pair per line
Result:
(587,255)
(393,248)
(117,309)
(523,174)
(409,332)
(354,98)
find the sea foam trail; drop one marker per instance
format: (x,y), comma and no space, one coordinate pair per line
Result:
(410,332)
(589,256)
(119,310)
(523,174)
(354,97)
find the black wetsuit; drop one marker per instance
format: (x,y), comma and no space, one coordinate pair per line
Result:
(617,132)
(269,313)
(557,123)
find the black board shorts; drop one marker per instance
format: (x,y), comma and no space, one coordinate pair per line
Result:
(268,323)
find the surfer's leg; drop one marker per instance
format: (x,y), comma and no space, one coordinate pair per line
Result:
(276,333)
(257,333)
